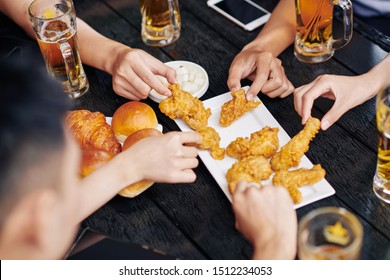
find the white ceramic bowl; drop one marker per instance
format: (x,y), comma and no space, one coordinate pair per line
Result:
(191,77)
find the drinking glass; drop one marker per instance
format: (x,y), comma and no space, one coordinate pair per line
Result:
(329,233)
(381,184)
(54,23)
(160,22)
(313,41)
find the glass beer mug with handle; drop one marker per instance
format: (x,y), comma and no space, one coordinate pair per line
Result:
(160,22)
(314,42)
(54,23)
(381,184)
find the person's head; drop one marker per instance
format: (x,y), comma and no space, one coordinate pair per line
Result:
(38,165)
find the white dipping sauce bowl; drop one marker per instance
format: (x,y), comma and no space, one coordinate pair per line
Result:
(191,77)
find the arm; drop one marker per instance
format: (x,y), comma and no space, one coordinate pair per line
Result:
(257,60)
(133,71)
(266,217)
(168,157)
(339,88)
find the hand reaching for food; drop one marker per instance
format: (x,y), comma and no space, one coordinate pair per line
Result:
(172,162)
(190,109)
(266,218)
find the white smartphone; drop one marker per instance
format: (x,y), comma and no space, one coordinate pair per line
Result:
(245,13)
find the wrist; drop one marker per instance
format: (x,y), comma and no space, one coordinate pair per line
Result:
(274,249)
(125,169)
(115,53)
(378,76)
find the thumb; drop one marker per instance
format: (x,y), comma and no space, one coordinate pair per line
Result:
(332,116)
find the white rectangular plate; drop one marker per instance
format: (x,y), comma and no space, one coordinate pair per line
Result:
(252,121)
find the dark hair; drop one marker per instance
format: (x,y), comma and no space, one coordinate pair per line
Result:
(32,111)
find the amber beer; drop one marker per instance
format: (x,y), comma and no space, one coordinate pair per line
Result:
(55,25)
(381,184)
(330,233)
(70,72)
(314,42)
(160,22)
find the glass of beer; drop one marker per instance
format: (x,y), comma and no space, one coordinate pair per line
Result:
(330,233)
(381,184)
(313,41)
(160,22)
(54,23)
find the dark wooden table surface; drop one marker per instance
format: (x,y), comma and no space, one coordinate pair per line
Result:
(195,221)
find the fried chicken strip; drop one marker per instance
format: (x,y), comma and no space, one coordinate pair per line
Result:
(291,153)
(261,143)
(250,169)
(187,107)
(292,180)
(210,141)
(236,107)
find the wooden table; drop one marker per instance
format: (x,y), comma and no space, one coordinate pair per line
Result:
(195,221)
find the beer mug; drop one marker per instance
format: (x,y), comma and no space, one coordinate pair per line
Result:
(330,233)
(381,184)
(54,23)
(313,41)
(160,22)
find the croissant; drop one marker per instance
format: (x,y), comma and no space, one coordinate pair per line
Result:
(92,159)
(91,131)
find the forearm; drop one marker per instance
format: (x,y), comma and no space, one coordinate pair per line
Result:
(95,49)
(18,12)
(279,32)
(102,185)
(378,76)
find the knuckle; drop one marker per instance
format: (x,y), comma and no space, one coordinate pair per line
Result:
(278,82)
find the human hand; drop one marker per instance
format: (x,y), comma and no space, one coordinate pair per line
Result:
(347,92)
(165,158)
(266,217)
(263,69)
(133,74)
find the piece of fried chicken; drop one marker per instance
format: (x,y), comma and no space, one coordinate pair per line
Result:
(291,153)
(210,141)
(185,106)
(261,143)
(236,107)
(292,180)
(250,169)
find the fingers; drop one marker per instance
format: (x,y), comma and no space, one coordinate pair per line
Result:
(167,72)
(277,85)
(150,80)
(189,163)
(123,88)
(235,75)
(189,137)
(262,74)
(185,176)
(304,96)
(190,152)
(332,115)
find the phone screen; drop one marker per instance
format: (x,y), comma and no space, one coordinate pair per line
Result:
(241,10)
